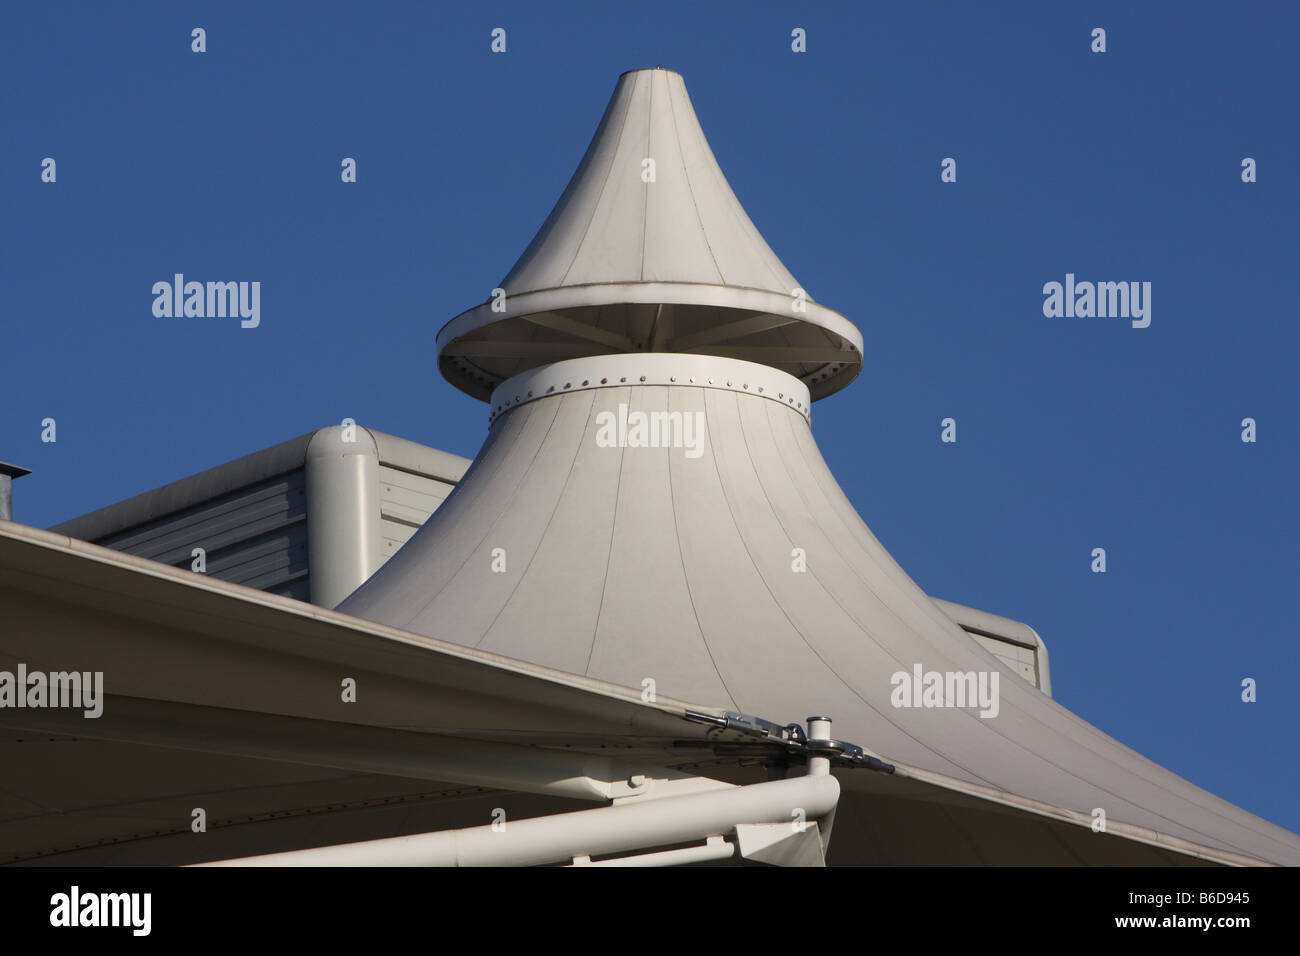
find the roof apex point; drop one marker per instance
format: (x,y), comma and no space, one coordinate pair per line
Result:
(650,69)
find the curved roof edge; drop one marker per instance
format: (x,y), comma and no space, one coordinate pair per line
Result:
(474,346)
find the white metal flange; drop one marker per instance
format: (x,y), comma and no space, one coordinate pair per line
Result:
(651,368)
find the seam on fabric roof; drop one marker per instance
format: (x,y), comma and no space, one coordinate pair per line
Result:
(466,493)
(645,187)
(885,652)
(844,560)
(868,632)
(878,851)
(1046,824)
(759,250)
(855,523)
(559,499)
(681,563)
(939,651)
(946,813)
(1173,779)
(1029,713)
(45,809)
(441,515)
(1142,836)
(510,499)
(600,193)
(609,549)
(257,818)
(104,808)
(761,246)
(690,186)
(855,518)
(475,466)
(722,484)
(609,552)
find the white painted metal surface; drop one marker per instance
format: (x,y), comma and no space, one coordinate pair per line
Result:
(651,368)
(716,848)
(586,833)
(1014,643)
(819,728)
(251,515)
(344,533)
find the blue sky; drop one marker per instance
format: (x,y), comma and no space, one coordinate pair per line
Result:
(1072,433)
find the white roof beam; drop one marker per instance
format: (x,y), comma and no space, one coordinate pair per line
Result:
(581,330)
(750,325)
(793,803)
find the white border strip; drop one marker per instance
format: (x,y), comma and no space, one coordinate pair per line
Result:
(651,368)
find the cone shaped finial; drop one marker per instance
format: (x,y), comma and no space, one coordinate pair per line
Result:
(648,250)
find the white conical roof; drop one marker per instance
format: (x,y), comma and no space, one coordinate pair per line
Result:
(672,554)
(648,249)
(630,563)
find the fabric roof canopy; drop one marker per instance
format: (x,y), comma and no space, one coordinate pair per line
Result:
(648,249)
(649,518)
(635,560)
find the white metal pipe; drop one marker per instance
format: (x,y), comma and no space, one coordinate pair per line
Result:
(565,836)
(819,728)
(8,473)
(713,850)
(344,525)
